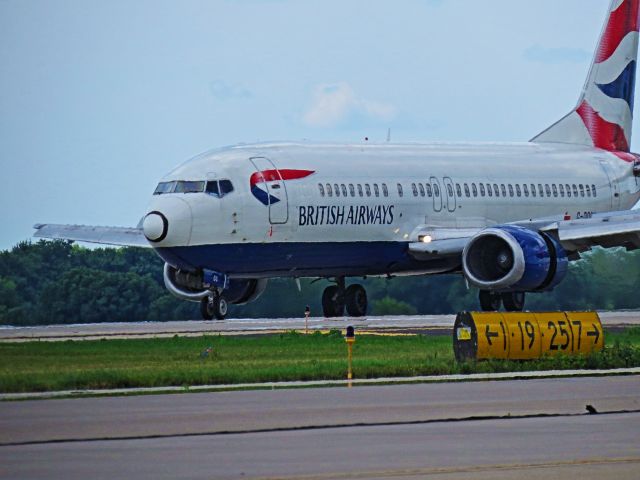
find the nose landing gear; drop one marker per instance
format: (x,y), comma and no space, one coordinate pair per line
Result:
(214,306)
(336,297)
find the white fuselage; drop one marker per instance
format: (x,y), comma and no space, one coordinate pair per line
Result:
(386,192)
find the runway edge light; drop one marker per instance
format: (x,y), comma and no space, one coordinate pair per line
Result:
(350,338)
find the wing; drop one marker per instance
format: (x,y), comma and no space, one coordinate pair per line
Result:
(121,236)
(611,229)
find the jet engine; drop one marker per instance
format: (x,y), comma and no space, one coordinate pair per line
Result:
(189,286)
(511,258)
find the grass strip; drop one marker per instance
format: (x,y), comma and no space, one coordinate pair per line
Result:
(179,361)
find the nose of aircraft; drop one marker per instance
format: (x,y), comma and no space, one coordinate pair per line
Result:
(168,222)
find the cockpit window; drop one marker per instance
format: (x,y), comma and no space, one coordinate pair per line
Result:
(179,187)
(164,187)
(219,188)
(212,188)
(189,187)
(225,187)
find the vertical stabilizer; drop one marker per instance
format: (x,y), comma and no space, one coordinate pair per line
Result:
(604,112)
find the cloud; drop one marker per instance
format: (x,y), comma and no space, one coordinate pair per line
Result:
(335,104)
(226,91)
(537,53)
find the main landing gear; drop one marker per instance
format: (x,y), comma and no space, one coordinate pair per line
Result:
(214,306)
(336,297)
(491,301)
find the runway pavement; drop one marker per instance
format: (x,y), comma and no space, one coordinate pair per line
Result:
(507,429)
(382,325)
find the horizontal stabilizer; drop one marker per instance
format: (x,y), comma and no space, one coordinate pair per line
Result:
(121,236)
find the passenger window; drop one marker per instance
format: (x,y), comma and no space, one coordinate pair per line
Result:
(450,190)
(336,187)
(555,190)
(482,192)
(400,190)
(489,191)
(467,193)
(525,189)
(581,187)
(225,187)
(436,190)
(321,188)
(593,190)
(421,188)
(414,189)
(496,190)
(547,189)
(568,189)
(385,192)
(533,190)
(360,193)
(561,188)
(212,188)
(343,188)
(367,189)
(510,190)
(375,189)
(575,190)
(540,190)
(503,188)
(352,190)
(475,190)
(458,190)
(329,191)
(429,191)
(518,191)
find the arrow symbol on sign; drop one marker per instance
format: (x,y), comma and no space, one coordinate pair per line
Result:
(489,334)
(594,333)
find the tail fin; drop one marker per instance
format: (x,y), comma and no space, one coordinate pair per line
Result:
(604,112)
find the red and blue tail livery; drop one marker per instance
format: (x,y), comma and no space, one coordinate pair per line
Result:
(267,177)
(604,113)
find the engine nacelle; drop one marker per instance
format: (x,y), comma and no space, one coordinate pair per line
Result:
(189,286)
(511,258)
(242,291)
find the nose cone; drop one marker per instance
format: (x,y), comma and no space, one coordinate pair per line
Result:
(168,223)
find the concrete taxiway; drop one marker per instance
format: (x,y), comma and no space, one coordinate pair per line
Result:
(508,429)
(391,324)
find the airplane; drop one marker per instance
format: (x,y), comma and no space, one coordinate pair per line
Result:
(507,216)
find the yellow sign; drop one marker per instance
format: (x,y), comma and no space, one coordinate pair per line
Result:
(493,335)
(463,333)
(526,336)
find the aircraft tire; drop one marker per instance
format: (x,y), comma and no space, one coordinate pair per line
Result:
(214,308)
(513,301)
(206,309)
(356,300)
(489,301)
(332,303)
(220,307)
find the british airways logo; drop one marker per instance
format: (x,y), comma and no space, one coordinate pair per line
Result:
(260,183)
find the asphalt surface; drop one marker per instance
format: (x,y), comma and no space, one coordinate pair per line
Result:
(390,324)
(506,429)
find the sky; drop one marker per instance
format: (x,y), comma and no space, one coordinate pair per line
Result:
(99,100)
